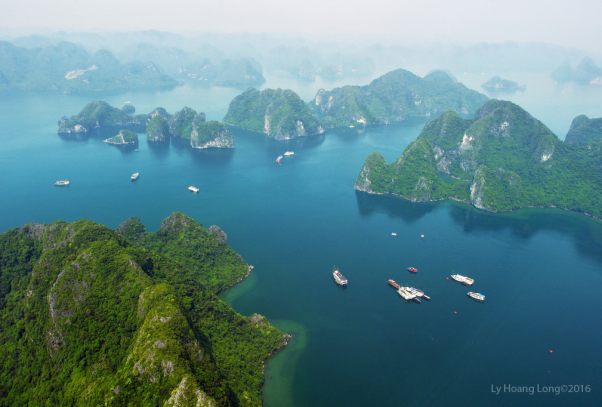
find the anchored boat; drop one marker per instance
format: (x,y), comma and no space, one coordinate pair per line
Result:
(412,269)
(393,283)
(193,189)
(339,278)
(134,176)
(279,159)
(476,296)
(289,153)
(462,279)
(62,183)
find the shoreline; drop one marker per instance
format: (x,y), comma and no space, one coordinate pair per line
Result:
(257,318)
(470,204)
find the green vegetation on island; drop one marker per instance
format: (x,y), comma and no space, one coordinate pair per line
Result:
(97,116)
(278,113)
(157,126)
(500,85)
(501,160)
(394,97)
(91,316)
(584,131)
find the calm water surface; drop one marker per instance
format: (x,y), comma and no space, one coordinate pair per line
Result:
(541,270)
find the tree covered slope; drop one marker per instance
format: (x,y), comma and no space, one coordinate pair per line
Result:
(278,113)
(584,131)
(394,97)
(503,159)
(92,316)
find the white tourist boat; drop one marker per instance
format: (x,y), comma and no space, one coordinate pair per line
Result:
(476,296)
(135,176)
(289,153)
(62,183)
(339,278)
(193,189)
(462,279)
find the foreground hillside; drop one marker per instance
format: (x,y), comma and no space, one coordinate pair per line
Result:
(501,160)
(92,316)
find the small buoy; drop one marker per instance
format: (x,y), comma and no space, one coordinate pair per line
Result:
(551,350)
(422,236)
(455,312)
(447,277)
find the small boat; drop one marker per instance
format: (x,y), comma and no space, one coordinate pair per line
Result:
(412,269)
(339,278)
(135,176)
(279,159)
(289,153)
(193,189)
(393,234)
(62,183)
(422,236)
(393,283)
(476,296)
(462,279)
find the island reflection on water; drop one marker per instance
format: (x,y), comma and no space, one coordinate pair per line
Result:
(585,232)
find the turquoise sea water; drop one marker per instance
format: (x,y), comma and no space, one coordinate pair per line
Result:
(540,269)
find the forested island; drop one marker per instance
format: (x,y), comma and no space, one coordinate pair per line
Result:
(500,85)
(68,68)
(186,127)
(279,114)
(394,97)
(501,160)
(94,316)
(586,72)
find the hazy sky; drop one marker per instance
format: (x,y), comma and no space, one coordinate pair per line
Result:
(575,23)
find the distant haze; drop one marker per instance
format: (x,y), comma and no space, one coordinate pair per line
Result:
(573,23)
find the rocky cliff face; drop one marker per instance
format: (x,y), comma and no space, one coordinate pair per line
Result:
(211,134)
